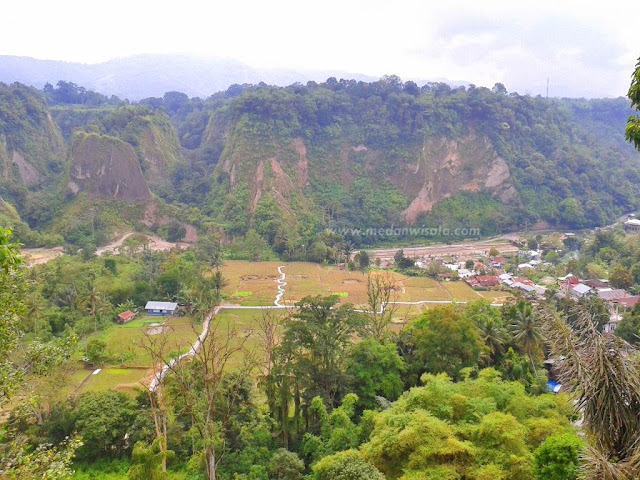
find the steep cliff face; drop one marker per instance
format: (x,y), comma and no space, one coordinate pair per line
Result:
(446,167)
(32,150)
(106,167)
(257,170)
(289,171)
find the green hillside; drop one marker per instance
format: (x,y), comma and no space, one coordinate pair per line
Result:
(346,155)
(351,154)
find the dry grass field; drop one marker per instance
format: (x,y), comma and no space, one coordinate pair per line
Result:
(255,284)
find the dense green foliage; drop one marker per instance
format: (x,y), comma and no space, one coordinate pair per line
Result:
(553,148)
(632,132)
(557,457)
(463,430)
(290,162)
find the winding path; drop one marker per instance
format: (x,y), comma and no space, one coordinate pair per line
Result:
(280,287)
(164,371)
(160,374)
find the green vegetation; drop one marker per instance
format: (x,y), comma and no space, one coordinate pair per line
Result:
(632,132)
(321,391)
(274,168)
(325,390)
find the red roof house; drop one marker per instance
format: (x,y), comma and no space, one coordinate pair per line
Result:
(483,281)
(628,302)
(125,316)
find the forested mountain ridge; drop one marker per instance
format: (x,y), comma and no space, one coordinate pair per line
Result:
(289,162)
(388,153)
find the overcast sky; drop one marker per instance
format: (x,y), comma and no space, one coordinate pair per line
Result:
(586,48)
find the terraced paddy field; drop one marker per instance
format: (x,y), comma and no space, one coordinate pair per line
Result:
(250,283)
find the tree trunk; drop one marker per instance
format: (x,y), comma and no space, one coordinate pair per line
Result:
(211,462)
(164,441)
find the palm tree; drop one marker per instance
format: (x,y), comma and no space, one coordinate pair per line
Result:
(493,335)
(347,249)
(34,309)
(219,282)
(602,373)
(95,301)
(526,332)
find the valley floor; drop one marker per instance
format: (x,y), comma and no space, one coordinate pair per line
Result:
(251,291)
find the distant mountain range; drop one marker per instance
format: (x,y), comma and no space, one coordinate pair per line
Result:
(142,76)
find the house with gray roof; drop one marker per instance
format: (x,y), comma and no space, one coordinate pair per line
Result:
(161,308)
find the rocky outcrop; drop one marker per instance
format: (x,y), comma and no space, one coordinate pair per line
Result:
(447,167)
(279,171)
(106,167)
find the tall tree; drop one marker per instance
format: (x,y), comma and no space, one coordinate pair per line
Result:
(12,290)
(320,334)
(205,391)
(95,301)
(446,341)
(381,295)
(525,330)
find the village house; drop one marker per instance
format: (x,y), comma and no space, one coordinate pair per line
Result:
(483,281)
(524,281)
(506,278)
(161,308)
(617,303)
(498,262)
(125,317)
(612,295)
(465,273)
(632,225)
(580,290)
(627,303)
(597,284)
(524,287)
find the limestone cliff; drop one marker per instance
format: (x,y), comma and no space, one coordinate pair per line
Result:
(106,167)
(445,167)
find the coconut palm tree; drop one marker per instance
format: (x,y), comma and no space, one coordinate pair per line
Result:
(96,303)
(493,335)
(219,282)
(347,249)
(526,332)
(602,373)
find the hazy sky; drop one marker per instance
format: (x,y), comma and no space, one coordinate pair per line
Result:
(587,48)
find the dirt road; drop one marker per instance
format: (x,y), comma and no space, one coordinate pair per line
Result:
(155,244)
(471,249)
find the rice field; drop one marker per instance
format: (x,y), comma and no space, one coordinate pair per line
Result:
(128,380)
(255,284)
